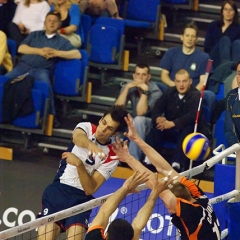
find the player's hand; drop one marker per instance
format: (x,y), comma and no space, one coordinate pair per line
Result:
(71,158)
(136,179)
(132,133)
(161,184)
(94,150)
(121,152)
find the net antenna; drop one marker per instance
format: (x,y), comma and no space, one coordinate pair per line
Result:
(208,69)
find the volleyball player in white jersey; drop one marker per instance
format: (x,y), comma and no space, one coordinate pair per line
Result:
(83,169)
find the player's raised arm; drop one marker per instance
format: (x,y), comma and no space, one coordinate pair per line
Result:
(155,158)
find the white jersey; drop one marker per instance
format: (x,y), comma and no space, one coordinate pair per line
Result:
(68,174)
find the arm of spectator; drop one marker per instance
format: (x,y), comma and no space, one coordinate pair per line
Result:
(75,19)
(70,54)
(25,49)
(19,10)
(166,78)
(3,46)
(201,82)
(142,105)
(123,96)
(113,9)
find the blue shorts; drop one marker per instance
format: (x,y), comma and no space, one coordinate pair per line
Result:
(57,197)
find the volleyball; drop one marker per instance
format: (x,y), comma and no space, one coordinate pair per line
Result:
(196,146)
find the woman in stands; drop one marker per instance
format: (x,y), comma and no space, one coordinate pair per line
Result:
(222,36)
(71,20)
(29,17)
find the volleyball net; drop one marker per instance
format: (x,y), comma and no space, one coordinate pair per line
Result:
(159,225)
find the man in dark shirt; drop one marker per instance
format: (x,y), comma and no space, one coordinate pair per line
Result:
(40,50)
(174,116)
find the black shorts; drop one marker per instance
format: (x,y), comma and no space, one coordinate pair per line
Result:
(58,197)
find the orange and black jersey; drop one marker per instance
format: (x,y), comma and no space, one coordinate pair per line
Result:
(196,221)
(95,233)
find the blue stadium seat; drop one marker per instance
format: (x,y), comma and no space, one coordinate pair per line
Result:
(137,16)
(103,49)
(175,1)
(40,94)
(70,76)
(144,15)
(12,47)
(86,24)
(3,79)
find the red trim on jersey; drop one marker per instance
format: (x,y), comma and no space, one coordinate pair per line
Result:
(94,128)
(111,153)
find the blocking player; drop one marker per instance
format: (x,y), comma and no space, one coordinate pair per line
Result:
(190,209)
(120,229)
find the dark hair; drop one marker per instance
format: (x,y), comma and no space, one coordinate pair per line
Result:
(181,191)
(120,229)
(190,25)
(142,65)
(118,113)
(235,8)
(55,13)
(237,65)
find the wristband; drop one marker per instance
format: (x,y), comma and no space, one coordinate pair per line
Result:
(62,30)
(145,92)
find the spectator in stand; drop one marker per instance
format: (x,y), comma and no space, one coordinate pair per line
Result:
(174,115)
(40,50)
(104,8)
(29,17)
(190,58)
(5,57)
(142,93)
(222,36)
(7,10)
(232,120)
(71,20)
